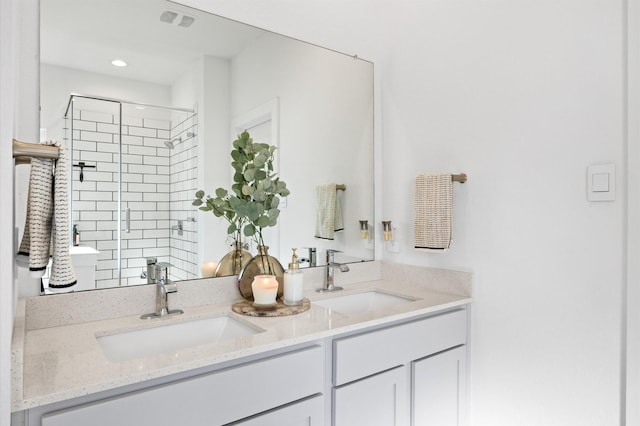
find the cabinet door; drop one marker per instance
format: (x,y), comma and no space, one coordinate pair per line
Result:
(309,412)
(439,389)
(375,400)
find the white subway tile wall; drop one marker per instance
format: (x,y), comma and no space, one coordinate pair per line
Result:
(158,185)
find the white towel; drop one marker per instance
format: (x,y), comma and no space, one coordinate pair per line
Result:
(433,211)
(329,211)
(47,224)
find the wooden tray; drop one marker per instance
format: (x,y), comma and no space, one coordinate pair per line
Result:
(245,307)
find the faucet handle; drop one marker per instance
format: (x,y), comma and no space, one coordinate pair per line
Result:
(162,272)
(331,253)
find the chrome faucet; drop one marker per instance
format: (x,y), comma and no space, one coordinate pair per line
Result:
(329,278)
(164,286)
(150,273)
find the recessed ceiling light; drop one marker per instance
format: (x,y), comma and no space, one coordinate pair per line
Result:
(119,63)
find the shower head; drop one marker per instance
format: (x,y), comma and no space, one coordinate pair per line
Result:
(171,144)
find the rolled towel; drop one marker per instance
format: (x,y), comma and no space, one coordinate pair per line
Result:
(433,211)
(329,211)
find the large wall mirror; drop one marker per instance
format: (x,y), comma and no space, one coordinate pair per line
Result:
(145,136)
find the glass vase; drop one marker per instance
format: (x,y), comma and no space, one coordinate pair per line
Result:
(233,262)
(261,264)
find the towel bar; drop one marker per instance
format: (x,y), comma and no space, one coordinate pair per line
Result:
(462,178)
(23,151)
(341,187)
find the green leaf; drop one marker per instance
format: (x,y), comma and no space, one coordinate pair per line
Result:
(260,147)
(249,230)
(260,175)
(250,174)
(259,195)
(200,194)
(196,203)
(221,192)
(260,160)
(247,190)
(275,202)
(254,211)
(237,165)
(263,222)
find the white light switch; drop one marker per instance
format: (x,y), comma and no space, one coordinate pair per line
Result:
(601,182)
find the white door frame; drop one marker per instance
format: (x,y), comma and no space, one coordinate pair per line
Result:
(631,359)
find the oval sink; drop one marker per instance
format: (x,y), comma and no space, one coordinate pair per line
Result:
(170,338)
(362,302)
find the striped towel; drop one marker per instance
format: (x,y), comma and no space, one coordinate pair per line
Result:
(46,229)
(329,212)
(433,211)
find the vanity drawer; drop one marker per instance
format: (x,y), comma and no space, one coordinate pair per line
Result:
(369,353)
(210,399)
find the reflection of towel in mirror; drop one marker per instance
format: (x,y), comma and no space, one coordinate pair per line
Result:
(329,212)
(48,218)
(433,211)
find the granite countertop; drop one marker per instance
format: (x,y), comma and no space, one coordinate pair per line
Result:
(64,360)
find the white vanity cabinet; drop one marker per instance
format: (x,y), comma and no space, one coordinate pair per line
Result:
(286,386)
(407,372)
(411,373)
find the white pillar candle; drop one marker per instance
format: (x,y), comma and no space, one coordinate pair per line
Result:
(265,289)
(208,269)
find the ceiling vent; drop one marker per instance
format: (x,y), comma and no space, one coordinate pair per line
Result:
(176,18)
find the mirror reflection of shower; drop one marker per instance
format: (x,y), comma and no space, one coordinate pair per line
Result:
(145,160)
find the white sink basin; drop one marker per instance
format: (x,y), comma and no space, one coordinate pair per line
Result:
(170,338)
(362,302)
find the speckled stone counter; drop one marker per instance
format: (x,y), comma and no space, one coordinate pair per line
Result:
(56,356)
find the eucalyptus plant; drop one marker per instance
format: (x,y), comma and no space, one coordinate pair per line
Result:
(220,206)
(252,204)
(256,186)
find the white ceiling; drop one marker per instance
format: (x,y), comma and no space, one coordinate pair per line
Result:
(89,34)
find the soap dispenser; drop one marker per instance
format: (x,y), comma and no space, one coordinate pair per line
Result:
(293,282)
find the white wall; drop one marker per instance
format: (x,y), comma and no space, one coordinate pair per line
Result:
(18,119)
(8,43)
(57,83)
(632,330)
(211,92)
(522,96)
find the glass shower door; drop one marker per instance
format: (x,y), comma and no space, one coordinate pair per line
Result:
(93,136)
(133,180)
